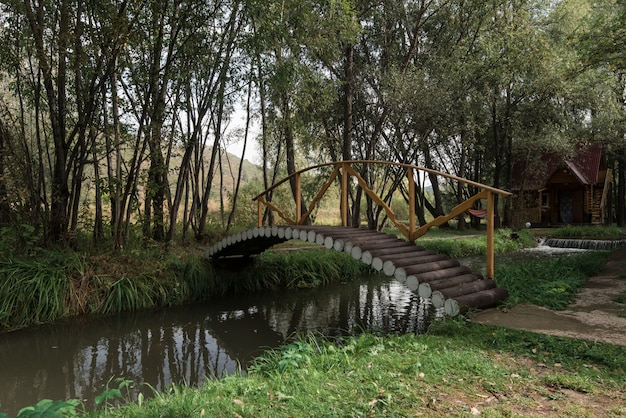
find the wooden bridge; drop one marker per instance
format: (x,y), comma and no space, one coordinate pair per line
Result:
(437,277)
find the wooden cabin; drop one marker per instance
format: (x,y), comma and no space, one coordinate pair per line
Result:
(554,190)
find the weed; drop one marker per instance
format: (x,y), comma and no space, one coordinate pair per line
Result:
(112,393)
(567,381)
(49,409)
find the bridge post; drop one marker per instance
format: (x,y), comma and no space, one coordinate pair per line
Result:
(411,178)
(298,199)
(259,211)
(344,195)
(490,234)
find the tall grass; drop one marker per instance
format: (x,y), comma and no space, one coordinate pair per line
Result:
(552,283)
(298,269)
(36,290)
(131,294)
(48,285)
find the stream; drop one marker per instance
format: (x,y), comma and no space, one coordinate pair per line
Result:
(74,359)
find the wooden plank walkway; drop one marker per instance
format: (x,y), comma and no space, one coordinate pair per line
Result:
(437,277)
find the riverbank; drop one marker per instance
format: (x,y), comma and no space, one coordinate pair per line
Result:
(456,370)
(45,286)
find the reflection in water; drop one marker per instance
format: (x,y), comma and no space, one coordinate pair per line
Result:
(192,343)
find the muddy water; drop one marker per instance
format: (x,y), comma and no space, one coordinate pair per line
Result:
(188,344)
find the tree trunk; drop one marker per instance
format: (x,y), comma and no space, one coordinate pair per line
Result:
(461,173)
(621,190)
(346,148)
(437,209)
(5,209)
(290,151)
(233,210)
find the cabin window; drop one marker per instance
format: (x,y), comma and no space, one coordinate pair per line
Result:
(545,201)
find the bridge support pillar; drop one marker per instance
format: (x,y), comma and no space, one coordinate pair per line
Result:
(490,234)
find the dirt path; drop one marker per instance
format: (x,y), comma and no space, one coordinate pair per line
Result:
(594,315)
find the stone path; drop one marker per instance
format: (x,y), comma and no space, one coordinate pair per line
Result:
(593,315)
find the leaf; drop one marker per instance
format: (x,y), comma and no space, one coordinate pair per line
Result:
(47,408)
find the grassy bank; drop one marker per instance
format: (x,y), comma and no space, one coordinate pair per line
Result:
(456,246)
(455,370)
(43,286)
(552,283)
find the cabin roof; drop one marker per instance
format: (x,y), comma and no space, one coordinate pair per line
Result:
(585,165)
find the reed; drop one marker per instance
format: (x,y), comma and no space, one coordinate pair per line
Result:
(34,291)
(298,269)
(54,285)
(197,279)
(126,294)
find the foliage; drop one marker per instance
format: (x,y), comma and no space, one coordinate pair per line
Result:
(112,392)
(47,408)
(551,283)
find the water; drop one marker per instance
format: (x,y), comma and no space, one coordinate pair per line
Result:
(189,344)
(585,244)
(478,263)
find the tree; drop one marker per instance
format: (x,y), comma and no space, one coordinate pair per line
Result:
(72,48)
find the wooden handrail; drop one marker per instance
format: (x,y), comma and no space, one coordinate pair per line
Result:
(414,167)
(411,232)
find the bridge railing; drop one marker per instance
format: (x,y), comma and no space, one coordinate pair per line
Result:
(411,231)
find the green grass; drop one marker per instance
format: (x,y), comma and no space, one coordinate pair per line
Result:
(49,285)
(37,290)
(552,283)
(586,232)
(457,246)
(303,269)
(451,371)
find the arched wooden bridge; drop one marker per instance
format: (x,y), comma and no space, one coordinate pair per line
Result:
(443,280)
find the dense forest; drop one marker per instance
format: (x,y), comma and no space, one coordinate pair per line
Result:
(115,115)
